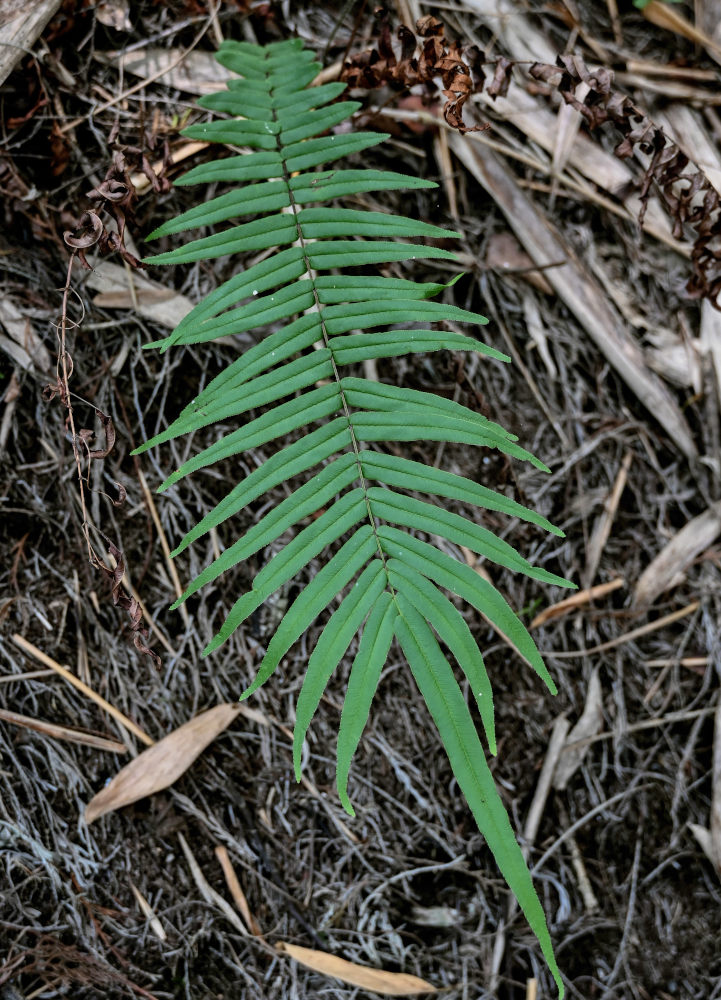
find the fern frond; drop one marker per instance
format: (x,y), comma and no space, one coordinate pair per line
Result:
(322,315)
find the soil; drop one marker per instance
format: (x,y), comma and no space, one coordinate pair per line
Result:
(408,885)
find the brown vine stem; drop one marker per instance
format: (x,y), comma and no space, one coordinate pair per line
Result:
(63,372)
(121,595)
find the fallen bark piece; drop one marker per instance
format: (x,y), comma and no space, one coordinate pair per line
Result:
(667,569)
(394,984)
(22,24)
(162,764)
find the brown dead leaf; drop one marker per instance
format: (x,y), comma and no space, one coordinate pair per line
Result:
(669,566)
(162,764)
(394,984)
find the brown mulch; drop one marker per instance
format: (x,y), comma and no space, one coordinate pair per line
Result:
(631,898)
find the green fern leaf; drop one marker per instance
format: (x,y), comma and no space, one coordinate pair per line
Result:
(435,681)
(352,511)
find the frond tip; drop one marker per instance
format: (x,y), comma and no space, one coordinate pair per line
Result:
(352,502)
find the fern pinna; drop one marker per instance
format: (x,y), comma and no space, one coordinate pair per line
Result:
(326,316)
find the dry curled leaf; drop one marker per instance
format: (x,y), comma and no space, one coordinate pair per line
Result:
(688,196)
(120,597)
(87,234)
(162,764)
(421,61)
(394,984)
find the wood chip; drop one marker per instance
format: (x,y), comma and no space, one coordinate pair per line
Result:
(668,568)
(505,254)
(162,764)
(394,984)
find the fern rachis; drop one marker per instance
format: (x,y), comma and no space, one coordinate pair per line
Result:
(324,317)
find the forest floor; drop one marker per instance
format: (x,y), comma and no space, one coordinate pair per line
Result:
(615,384)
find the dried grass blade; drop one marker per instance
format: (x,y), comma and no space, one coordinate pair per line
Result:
(588,725)
(38,654)
(394,984)
(208,892)
(162,764)
(63,732)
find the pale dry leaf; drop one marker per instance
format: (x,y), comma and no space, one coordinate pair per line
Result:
(198,73)
(163,763)
(154,301)
(394,984)
(703,838)
(19,327)
(114,14)
(588,725)
(668,567)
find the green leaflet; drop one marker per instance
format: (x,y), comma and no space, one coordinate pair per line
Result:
(295,458)
(462,580)
(453,630)
(318,594)
(332,646)
(395,471)
(400,509)
(450,713)
(362,683)
(304,287)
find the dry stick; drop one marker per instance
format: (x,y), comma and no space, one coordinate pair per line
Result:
(716,791)
(579,186)
(164,545)
(575,827)
(636,727)
(629,636)
(38,654)
(27,676)
(686,661)
(577,289)
(578,599)
(62,732)
(602,528)
(530,832)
